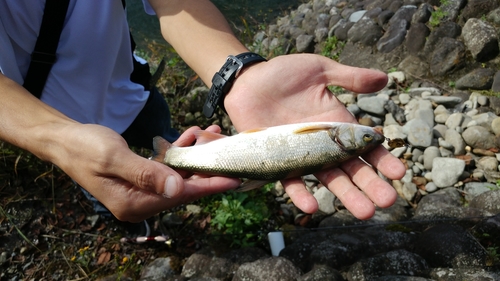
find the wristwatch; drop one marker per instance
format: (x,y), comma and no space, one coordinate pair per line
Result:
(224,79)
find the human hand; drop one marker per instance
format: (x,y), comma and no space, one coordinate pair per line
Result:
(133,188)
(292,89)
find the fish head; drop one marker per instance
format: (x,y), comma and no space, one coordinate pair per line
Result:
(357,138)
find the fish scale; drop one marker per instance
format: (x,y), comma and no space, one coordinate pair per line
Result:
(274,153)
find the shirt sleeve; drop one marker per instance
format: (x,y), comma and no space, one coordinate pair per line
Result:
(147,8)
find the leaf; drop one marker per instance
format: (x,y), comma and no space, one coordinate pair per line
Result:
(104,258)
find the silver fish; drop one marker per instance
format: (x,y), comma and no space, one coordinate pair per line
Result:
(270,154)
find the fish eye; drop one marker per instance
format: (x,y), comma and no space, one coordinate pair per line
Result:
(367,137)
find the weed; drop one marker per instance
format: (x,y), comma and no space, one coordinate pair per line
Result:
(332,48)
(438,14)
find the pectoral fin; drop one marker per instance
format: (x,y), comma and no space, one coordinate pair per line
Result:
(251,184)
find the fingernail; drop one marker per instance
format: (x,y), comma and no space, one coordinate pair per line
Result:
(171,187)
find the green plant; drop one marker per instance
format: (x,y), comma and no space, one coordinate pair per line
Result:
(438,14)
(332,48)
(238,216)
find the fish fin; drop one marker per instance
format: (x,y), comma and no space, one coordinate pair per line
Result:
(160,147)
(253,130)
(251,184)
(313,128)
(203,137)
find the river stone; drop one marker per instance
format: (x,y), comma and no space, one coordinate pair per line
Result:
(473,189)
(478,79)
(398,262)
(322,273)
(445,245)
(158,269)
(487,163)
(455,120)
(446,171)
(325,200)
(430,153)
(495,126)
(374,105)
(365,31)
(448,57)
(393,37)
(479,137)
(273,268)
(419,33)
(447,101)
(481,39)
(487,201)
(419,133)
(452,274)
(455,139)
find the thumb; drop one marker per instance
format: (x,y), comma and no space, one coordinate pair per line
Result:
(360,80)
(151,176)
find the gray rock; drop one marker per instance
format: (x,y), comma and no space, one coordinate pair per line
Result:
(496,82)
(479,137)
(487,201)
(393,37)
(487,163)
(419,33)
(273,268)
(356,16)
(451,9)
(423,14)
(158,269)
(430,187)
(325,200)
(450,246)
(365,31)
(451,274)
(446,171)
(446,101)
(481,39)
(455,139)
(419,133)
(322,273)
(448,57)
(398,262)
(473,189)
(374,105)
(495,126)
(430,153)
(478,79)
(305,43)
(444,203)
(455,120)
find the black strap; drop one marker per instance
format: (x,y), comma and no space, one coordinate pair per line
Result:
(44,55)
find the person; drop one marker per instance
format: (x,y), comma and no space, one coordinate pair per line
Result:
(89,101)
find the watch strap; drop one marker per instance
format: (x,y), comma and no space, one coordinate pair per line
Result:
(223,80)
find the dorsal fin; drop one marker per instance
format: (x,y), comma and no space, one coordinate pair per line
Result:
(253,130)
(203,137)
(313,128)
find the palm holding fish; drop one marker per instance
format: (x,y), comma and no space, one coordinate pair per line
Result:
(278,98)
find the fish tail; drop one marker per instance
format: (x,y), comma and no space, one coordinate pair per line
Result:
(160,147)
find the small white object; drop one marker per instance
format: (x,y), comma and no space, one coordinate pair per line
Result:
(276,242)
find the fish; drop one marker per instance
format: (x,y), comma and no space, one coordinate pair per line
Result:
(264,155)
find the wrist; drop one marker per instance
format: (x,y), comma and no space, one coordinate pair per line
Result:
(224,79)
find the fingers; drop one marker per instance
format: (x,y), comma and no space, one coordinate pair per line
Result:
(352,198)
(302,199)
(386,163)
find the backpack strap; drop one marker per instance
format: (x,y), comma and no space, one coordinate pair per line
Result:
(44,54)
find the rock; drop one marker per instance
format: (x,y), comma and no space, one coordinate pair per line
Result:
(479,137)
(487,163)
(158,269)
(450,274)
(398,262)
(322,273)
(473,189)
(419,32)
(419,133)
(448,57)
(325,200)
(446,171)
(430,153)
(481,39)
(495,126)
(455,139)
(445,245)
(487,201)
(273,268)
(394,36)
(365,31)
(305,43)
(478,79)
(374,105)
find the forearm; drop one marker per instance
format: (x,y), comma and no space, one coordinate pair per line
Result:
(199,33)
(29,123)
